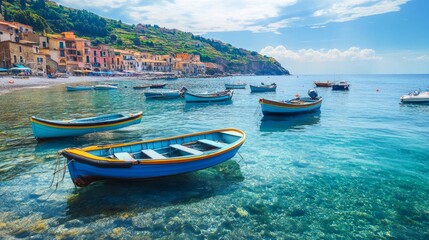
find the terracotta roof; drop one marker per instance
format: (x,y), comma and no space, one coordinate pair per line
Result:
(8,24)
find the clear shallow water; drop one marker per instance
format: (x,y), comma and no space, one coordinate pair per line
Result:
(357,169)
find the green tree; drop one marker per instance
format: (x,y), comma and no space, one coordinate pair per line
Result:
(113,38)
(119,42)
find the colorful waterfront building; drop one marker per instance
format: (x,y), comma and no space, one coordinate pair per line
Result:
(8,31)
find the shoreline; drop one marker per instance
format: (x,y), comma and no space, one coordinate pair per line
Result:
(44,82)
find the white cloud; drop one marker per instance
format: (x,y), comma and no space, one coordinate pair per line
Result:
(275,26)
(419,58)
(349,10)
(310,55)
(214,16)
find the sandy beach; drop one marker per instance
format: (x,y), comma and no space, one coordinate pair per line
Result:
(8,84)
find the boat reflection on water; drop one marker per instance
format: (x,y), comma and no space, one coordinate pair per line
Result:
(126,196)
(293,122)
(190,105)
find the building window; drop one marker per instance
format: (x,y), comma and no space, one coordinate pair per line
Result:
(14,58)
(61,44)
(95,59)
(87,59)
(62,53)
(95,53)
(44,44)
(37,50)
(21,60)
(104,61)
(20,49)
(39,60)
(1,33)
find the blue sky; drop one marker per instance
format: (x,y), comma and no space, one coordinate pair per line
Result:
(305,36)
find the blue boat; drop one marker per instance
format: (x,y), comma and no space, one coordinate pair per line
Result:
(341,86)
(293,106)
(263,88)
(153,158)
(43,128)
(79,88)
(235,86)
(209,97)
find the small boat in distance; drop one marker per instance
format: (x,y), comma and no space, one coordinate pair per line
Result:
(341,86)
(141,87)
(263,88)
(153,158)
(415,97)
(105,87)
(164,94)
(323,84)
(293,106)
(158,85)
(209,97)
(235,86)
(79,88)
(43,128)
(111,84)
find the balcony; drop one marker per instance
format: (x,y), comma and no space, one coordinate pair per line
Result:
(70,45)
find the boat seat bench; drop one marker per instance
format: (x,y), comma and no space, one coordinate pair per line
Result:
(186,149)
(213,143)
(124,156)
(153,154)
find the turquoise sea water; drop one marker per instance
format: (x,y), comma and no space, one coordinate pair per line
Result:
(357,169)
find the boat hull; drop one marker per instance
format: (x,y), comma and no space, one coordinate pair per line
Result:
(281,108)
(207,97)
(43,129)
(268,88)
(416,97)
(323,84)
(84,170)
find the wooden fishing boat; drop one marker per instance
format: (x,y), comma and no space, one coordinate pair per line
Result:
(293,106)
(415,97)
(158,85)
(105,87)
(43,128)
(153,158)
(209,97)
(323,84)
(342,86)
(235,86)
(263,88)
(79,88)
(166,94)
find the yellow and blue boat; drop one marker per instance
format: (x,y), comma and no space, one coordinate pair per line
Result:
(43,128)
(293,106)
(153,158)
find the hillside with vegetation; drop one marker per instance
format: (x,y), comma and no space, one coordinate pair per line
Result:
(50,17)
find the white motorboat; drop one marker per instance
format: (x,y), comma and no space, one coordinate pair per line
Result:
(416,97)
